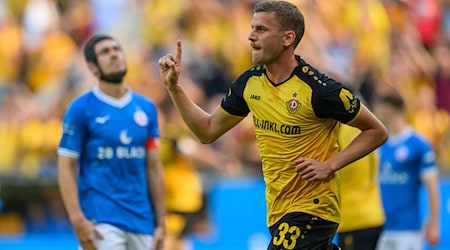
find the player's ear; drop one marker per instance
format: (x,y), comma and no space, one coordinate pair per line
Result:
(93,68)
(289,38)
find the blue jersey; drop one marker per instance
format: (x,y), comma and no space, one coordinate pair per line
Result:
(108,137)
(404,159)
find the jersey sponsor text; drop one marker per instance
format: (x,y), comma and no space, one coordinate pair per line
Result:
(275,127)
(106,153)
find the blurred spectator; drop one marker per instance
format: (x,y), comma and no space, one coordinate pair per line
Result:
(441,53)
(76,19)
(10,51)
(445,23)
(430,121)
(38,17)
(427,19)
(411,65)
(9,132)
(47,64)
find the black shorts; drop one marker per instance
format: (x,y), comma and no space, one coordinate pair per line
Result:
(301,231)
(360,239)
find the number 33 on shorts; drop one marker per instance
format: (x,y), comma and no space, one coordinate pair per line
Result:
(287,236)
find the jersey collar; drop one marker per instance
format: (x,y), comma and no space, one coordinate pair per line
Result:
(119,103)
(402,136)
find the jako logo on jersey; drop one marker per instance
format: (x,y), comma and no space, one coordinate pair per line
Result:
(140,118)
(102,119)
(255,97)
(293,105)
(124,138)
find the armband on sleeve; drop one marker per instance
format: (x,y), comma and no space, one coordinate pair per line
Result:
(152,143)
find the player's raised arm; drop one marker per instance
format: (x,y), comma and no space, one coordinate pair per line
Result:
(207,127)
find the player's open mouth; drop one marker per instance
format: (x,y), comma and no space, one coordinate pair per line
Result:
(255,47)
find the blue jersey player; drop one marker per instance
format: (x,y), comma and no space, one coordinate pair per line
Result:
(407,161)
(110,173)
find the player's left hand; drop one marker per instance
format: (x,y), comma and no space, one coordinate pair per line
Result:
(312,170)
(158,238)
(432,234)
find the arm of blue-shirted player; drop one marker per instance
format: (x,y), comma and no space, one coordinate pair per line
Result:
(67,180)
(431,182)
(157,194)
(373,134)
(207,127)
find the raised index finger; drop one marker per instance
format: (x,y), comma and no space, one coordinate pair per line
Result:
(178,56)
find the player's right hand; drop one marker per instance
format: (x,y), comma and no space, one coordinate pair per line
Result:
(170,67)
(86,234)
(432,234)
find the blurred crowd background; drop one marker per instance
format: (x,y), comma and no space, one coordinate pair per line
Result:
(372,46)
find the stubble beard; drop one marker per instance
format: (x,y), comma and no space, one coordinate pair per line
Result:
(115,78)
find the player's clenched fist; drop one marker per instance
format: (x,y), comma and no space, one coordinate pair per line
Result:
(169,67)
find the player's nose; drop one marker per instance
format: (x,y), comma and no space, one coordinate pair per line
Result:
(252,36)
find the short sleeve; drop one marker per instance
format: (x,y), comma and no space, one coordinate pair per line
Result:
(335,101)
(427,159)
(73,131)
(153,126)
(234,102)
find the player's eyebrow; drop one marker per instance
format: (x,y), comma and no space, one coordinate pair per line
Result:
(259,27)
(107,48)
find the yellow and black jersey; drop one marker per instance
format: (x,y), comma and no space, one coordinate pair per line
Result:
(296,118)
(361,199)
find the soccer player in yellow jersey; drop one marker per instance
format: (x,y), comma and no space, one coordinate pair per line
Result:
(362,211)
(296,111)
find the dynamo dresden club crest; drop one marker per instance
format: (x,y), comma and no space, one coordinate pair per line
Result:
(293,105)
